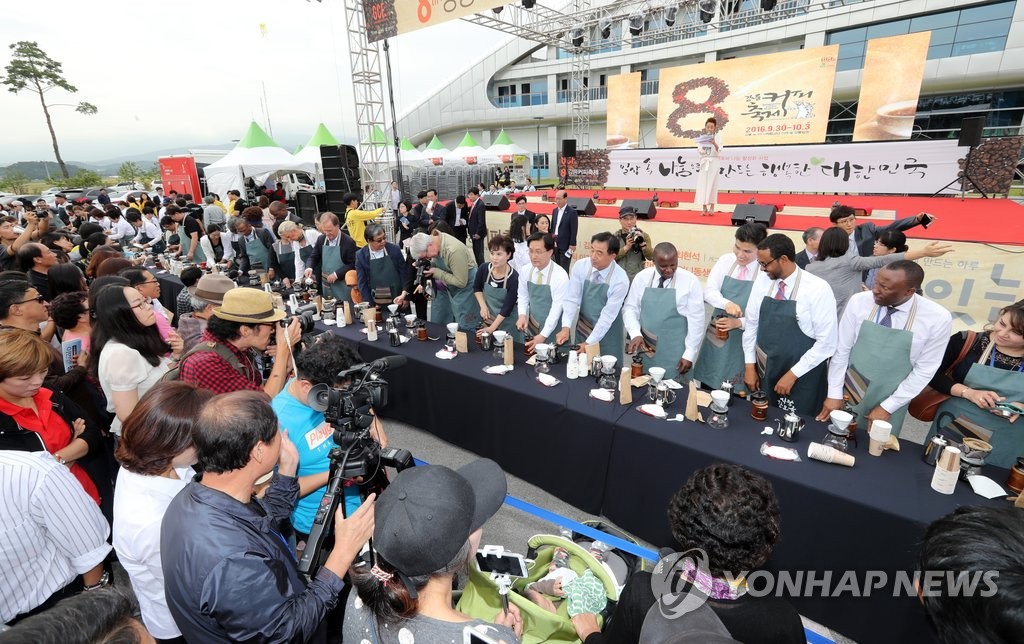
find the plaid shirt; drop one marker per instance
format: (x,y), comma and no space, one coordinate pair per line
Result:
(183,304)
(208,370)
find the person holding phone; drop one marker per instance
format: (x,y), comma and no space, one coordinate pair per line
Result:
(428,527)
(986,387)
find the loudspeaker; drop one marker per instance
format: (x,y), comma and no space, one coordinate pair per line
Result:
(755,213)
(495,202)
(970,131)
(584,205)
(645,208)
(568,147)
(309,204)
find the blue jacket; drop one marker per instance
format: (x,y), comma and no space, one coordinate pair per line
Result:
(229,575)
(363,268)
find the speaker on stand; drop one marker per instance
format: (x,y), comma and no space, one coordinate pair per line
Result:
(970,135)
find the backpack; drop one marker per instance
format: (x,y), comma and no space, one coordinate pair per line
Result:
(216,347)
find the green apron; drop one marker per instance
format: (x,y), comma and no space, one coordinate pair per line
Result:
(661,326)
(720,360)
(330,262)
(258,254)
(441,305)
(385,282)
(186,246)
(286,259)
(959,418)
(540,300)
(464,309)
(870,380)
(217,257)
(780,345)
(592,302)
(494,296)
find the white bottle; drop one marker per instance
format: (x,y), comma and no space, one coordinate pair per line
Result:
(584,365)
(572,366)
(371,331)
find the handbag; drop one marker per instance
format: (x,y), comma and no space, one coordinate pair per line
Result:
(926,404)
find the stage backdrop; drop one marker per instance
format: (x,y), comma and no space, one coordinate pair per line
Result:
(886,107)
(973,282)
(905,167)
(770,99)
(623,111)
(389,18)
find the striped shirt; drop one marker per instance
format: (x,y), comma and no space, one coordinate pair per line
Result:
(50,530)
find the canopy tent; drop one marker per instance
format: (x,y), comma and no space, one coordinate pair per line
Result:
(435,152)
(505,149)
(311,151)
(410,155)
(256,156)
(470,152)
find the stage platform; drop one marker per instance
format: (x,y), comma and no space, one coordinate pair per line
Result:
(989,221)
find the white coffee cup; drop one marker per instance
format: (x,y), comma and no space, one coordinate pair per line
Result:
(878,436)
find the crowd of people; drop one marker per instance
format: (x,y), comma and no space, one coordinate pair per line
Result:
(182,440)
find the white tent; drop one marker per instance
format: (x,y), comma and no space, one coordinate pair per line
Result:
(469,152)
(256,156)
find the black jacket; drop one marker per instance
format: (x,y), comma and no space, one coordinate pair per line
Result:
(865,234)
(478,219)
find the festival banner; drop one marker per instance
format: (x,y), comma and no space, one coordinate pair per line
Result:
(904,167)
(623,111)
(771,99)
(890,87)
(973,282)
(389,18)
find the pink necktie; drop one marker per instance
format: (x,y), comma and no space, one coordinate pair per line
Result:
(743,273)
(781,293)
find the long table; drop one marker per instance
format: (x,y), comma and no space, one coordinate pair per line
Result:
(610,459)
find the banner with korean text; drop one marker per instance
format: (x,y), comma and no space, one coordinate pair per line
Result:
(903,167)
(890,87)
(771,99)
(389,18)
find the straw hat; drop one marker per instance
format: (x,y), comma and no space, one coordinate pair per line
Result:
(248,306)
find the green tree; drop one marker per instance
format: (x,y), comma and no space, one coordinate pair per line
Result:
(129,171)
(32,70)
(15,181)
(85,179)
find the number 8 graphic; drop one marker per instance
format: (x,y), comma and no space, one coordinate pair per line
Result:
(719,92)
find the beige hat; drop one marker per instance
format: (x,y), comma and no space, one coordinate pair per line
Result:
(248,306)
(212,288)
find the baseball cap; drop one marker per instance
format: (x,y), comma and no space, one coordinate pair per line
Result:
(427,513)
(626,211)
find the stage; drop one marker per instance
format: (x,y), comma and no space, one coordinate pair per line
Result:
(989,221)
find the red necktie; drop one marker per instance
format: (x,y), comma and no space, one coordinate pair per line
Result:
(781,293)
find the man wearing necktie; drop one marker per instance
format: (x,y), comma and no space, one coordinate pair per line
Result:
(790,328)
(894,321)
(564,223)
(593,303)
(665,311)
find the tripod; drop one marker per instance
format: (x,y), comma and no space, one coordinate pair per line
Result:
(964,179)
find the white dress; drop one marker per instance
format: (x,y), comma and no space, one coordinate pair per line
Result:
(707,178)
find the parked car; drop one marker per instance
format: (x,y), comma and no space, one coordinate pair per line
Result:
(126,186)
(157,183)
(116,197)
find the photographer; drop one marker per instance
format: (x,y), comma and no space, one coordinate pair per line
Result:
(228,575)
(428,527)
(453,265)
(224,360)
(635,245)
(318,364)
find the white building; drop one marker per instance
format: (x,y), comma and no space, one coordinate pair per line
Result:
(975,67)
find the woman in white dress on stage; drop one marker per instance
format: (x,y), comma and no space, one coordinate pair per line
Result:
(709,146)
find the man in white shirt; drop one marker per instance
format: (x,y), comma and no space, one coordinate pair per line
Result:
(665,310)
(542,290)
(592,312)
(529,187)
(894,321)
(52,533)
(790,329)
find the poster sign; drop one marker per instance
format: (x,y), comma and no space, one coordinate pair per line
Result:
(886,109)
(623,111)
(904,167)
(389,18)
(771,99)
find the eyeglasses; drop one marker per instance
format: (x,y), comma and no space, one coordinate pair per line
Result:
(144,304)
(846,220)
(153,281)
(38,298)
(378,241)
(765,265)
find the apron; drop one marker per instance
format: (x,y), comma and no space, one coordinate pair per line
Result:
(780,345)
(286,258)
(258,254)
(156,248)
(385,282)
(464,309)
(218,251)
(540,300)
(960,418)
(661,326)
(593,301)
(720,360)
(870,380)
(494,296)
(330,263)
(186,246)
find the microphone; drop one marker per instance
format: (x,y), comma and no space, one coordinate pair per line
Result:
(389,362)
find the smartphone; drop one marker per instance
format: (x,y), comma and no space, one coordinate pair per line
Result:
(472,636)
(926,220)
(1010,407)
(506,563)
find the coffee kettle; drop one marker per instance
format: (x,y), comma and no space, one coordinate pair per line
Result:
(788,429)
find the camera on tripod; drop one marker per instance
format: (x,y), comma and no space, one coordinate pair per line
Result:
(422,279)
(348,409)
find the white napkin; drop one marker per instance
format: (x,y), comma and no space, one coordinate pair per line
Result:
(672,384)
(652,410)
(547,379)
(446,355)
(606,395)
(986,487)
(363,330)
(498,370)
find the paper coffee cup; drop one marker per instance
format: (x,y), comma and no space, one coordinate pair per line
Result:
(827,454)
(878,436)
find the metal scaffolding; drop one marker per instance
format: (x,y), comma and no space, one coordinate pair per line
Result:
(368,95)
(579,82)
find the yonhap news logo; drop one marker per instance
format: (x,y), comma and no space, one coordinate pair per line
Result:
(682,582)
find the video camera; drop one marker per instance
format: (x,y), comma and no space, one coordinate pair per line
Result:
(348,411)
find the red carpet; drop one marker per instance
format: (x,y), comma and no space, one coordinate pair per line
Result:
(993,221)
